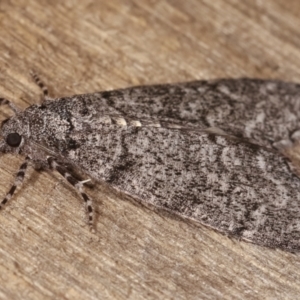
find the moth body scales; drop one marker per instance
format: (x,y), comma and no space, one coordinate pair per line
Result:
(209,151)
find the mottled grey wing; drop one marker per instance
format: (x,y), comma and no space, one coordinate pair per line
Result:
(265,111)
(237,188)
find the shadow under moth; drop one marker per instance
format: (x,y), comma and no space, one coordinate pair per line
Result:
(209,151)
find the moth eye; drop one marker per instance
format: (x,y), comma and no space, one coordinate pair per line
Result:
(13,139)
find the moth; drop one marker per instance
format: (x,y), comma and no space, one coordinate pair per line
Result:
(209,151)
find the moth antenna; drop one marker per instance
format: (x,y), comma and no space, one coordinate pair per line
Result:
(12,106)
(78,186)
(18,182)
(41,85)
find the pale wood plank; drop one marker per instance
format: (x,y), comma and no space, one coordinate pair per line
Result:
(46,250)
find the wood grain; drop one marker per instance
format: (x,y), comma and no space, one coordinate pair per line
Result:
(46,249)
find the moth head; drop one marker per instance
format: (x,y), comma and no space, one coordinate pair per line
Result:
(13,136)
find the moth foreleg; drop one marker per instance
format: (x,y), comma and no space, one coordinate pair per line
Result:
(40,83)
(77,185)
(12,106)
(18,182)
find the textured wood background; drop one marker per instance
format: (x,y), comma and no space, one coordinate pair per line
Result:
(46,249)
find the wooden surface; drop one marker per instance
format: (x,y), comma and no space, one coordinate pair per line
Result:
(46,249)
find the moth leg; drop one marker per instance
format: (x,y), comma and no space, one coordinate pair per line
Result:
(40,83)
(77,185)
(12,106)
(18,182)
